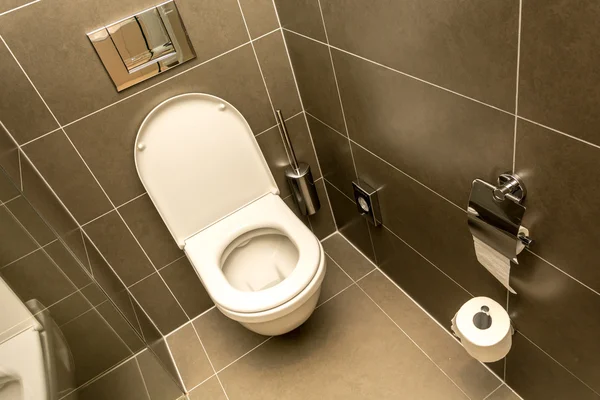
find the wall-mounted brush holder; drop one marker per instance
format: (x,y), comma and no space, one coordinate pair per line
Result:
(495,214)
(298,175)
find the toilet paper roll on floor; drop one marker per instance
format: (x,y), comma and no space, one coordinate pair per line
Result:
(484,329)
(495,262)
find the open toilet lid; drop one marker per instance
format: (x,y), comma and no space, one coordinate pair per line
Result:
(198,159)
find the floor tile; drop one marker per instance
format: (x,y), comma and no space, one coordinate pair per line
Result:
(189,356)
(225,339)
(336,354)
(345,255)
(335,281)
(209,390)
(125,382)
(503,393)
(471,376)
(158,382)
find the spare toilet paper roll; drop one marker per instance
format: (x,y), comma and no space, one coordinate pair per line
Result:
(484,329)
(495,262)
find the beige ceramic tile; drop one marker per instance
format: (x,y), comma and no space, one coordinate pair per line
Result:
(347,350)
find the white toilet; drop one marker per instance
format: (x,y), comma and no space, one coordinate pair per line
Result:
(201,166)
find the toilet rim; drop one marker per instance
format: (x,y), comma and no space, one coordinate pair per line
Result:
(205,251)
(285,308)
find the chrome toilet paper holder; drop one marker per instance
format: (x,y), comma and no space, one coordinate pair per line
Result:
(495,213)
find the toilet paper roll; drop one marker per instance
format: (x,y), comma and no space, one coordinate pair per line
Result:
(484,329)
(495,262)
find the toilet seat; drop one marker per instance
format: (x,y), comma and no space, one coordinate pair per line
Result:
(205,251)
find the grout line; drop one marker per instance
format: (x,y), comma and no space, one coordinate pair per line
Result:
(132,199)
(494,391)
(19,7)
(201,383)
(563,272)
(400,72)
(245,354)
(556,361)
(41,136)
(143,379)
(328,236)
(202,313)
(327,125)
(171,263)
(353,246)
(560,132)
(173,361)
(275,126)
(137,319)
(517,85)
(206,353)
(398,326)
(87,255)
(20,169)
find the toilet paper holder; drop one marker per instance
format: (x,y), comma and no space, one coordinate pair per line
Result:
(495,213)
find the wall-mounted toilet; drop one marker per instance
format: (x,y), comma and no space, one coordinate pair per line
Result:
(199,161)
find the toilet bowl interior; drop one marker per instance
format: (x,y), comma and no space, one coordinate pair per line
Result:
(10,388)
(259,259)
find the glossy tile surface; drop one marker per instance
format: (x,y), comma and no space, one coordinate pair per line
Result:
(559,66)
(321,360)
(189,356)
(503,393)
(277,70)
(536,376)
(566,227)
(344,254)
(435,228)
(68,176)
(186,287)
(31,221)
(314,73)
(209,390)
(335,158)
(214,26)
(466,46)
(443,140)
(322,222)
(22,111)
(470,375)
(159,384)
(260,16)
(302,16)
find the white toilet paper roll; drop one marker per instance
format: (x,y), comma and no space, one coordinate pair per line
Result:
(484,329)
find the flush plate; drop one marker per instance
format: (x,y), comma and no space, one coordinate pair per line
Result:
(143,45)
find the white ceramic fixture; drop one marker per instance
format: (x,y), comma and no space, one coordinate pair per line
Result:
(35,363)
(199,161)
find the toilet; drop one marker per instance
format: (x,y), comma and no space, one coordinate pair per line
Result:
(198,160)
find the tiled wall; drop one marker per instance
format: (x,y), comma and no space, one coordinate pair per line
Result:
(78,131)
(418,98)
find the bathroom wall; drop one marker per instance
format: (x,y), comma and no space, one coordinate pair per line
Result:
(78,131)
(418,98)
(81,295)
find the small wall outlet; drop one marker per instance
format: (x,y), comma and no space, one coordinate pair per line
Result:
(367,202)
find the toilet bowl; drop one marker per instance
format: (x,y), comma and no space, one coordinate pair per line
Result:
(202,168)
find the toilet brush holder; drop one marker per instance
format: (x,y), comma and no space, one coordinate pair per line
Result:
(298,175)
(303,189)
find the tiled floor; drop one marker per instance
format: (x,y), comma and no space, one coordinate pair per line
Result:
(366,340)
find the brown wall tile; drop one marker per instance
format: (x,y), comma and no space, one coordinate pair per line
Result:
(343,253)
(271,145)
(14,240)
(559,72)
(69,308)
(183,281)
(348,221)
(466,46)
(67,263)
(334,154)
(110,234)
(314,73)
(148,227)
(276,68)
(36,277)
(124,382)
(95,347)
(428,223)
(536,376)
(234,77)
(443,140)
(21,109)
(565,226)
(322,222)
(154,296)
(260,16)
(125,331)
(559,315)
(61,166)
(9,162)
(302,16)
(159,383)
(73,68)
(31,220)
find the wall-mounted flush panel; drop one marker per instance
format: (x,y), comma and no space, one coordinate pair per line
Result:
(367,202)
(144,45)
